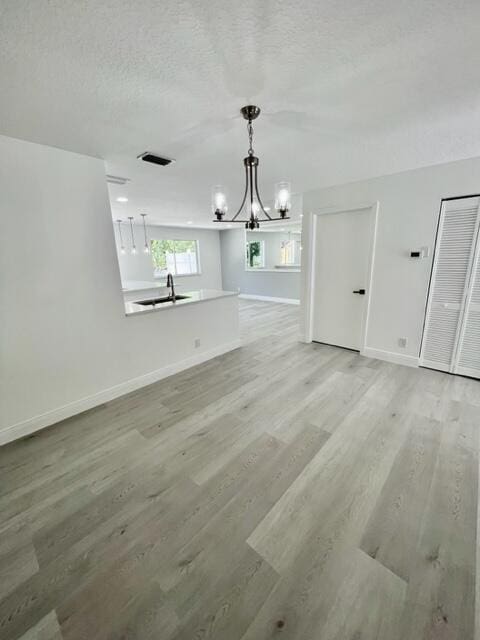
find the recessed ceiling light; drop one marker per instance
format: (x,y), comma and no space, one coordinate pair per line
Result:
(190,222)
(229,226)
(301,215)
(122,199)
(267,208)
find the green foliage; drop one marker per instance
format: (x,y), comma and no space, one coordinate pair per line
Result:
(159,250)
(254,250)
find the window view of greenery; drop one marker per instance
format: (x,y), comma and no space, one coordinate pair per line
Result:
(178,257)
(255,254)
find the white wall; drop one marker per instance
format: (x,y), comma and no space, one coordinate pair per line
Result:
(65,342)
(237,278)
(139,267)
(409,205)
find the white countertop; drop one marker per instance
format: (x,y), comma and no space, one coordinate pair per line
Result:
(194,297)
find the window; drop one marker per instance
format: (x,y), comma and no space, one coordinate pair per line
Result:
(290,252)
(255,254)
(178,257)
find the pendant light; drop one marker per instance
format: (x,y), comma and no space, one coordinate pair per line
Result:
(251,197)
(122,246)
(133,250)
(146,247)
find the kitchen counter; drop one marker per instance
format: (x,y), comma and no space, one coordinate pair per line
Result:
(194,297)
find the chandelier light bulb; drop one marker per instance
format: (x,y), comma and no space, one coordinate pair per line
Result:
(220,201)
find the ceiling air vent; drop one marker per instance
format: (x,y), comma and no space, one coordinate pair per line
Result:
(148,156)
(117,179)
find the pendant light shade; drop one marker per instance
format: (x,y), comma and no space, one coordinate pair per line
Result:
(219,201)
(283,202)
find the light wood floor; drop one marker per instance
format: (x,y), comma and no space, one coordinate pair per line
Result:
(281,490)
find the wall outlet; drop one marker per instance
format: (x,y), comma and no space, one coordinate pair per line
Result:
(402,342)
(196,342)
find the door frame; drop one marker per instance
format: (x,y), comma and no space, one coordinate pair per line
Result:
(309,266)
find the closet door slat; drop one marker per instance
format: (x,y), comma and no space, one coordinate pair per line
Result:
(448,288)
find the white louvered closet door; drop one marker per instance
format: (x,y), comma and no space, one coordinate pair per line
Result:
(468,354)
(450,288)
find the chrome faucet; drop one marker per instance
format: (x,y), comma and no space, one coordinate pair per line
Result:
(171,285)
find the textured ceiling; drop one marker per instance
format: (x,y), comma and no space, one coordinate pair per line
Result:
(348,88)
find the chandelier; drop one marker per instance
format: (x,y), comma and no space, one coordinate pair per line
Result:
(251,202)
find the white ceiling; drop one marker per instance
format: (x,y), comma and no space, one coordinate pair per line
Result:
(349,89)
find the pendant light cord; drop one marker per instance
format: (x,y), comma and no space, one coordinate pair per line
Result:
(144,229)
(131,231)
(120,233)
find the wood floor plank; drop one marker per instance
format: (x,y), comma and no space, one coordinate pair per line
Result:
(394,529)
(47,629)
(441,588)
(16,567)
(342,482)
(228,611)
(372,598)
(204,557)
(148,617)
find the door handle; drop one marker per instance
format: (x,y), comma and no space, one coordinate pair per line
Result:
(360,292)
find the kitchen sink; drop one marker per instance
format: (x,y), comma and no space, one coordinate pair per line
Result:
(154,301)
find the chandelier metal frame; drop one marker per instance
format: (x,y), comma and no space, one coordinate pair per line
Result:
(251,195)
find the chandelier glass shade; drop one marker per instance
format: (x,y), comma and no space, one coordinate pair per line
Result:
(251,205)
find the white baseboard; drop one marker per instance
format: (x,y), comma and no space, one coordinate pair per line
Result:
(26,427)
(247,296)
(391,356)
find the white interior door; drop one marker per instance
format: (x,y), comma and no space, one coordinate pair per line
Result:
(342,259)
